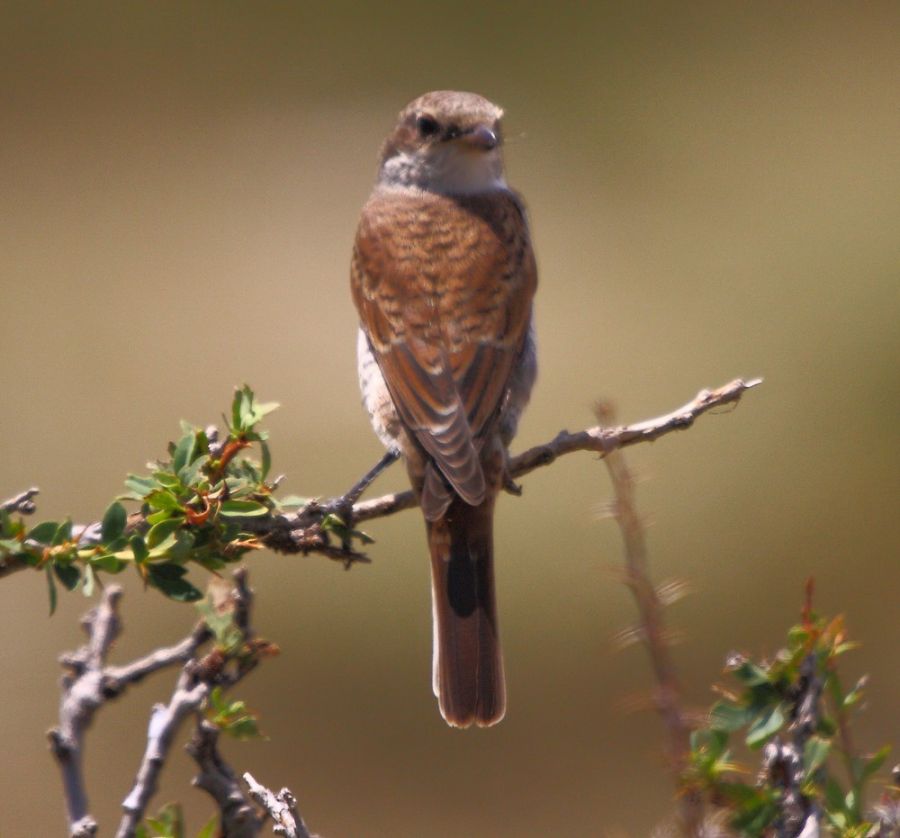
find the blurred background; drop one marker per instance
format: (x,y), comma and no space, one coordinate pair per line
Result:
(713,190)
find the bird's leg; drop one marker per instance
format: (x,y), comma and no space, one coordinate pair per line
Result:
(510,485)
(343,506)
(369,477)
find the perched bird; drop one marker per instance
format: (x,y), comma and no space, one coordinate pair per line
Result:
(443,276)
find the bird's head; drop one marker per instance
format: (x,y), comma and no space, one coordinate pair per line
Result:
(445,141)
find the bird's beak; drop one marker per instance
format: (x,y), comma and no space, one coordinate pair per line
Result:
(481,138)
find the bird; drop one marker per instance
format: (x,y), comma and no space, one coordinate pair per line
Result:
(443,276)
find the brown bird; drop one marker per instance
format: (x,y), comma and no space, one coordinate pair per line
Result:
(443,277)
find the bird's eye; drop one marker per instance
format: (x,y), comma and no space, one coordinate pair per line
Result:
(427,126)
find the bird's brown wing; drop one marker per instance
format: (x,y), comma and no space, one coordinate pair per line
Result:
(443,288)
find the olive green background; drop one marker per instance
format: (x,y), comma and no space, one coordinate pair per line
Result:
(713,189)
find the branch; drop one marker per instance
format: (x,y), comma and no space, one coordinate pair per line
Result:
(238,817)
(195,682)
(165,719)
(83,694)
(87,684)
(22,503)
(304,531)
(652,625)
(286,533)
(282,808)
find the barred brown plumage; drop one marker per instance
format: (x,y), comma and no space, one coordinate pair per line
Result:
(443,276)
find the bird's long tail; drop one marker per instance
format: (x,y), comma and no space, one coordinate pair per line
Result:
(468,664)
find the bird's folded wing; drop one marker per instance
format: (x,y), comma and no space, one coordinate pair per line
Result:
(447,374)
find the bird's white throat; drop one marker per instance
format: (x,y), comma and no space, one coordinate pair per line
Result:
(449,170)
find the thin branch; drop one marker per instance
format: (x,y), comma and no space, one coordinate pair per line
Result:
(118,677)
(165,719)
(653,632)
(83,694)
(22,503)
(239,818)
(281,807)
(195,683)
(302,531)
(286,532)
(88,682)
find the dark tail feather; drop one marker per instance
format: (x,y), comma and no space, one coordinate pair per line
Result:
(468,665)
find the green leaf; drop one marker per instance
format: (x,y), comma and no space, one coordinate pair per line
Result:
(210,828)
(184,452)
(855,695)
(190,474)
(43,533)
(766,724)
(63,533)
(837,819)
(114,520)
(292,500)
(243,508)
(814,755)
(728,717)
(159,515)
(51,589)
(140,486)
(221,624)
(266,460)
(755,816)
(167,479)
(158,533)
(163,499)
(138,548)
(168,579)
(260,411)
(834,796)
(237,406)
(184,543)
(750,674)
(107,563)
(10,545)
(232,717)
(874,763)
(169,822)
(68,574)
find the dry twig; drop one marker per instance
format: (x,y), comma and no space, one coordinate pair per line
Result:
(239,818)
(652,631)
(89,682)
(285,533)
(302,532)
(281,807)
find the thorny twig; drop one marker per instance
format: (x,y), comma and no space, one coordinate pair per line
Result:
(652,631)
(302,531)
(298,532)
